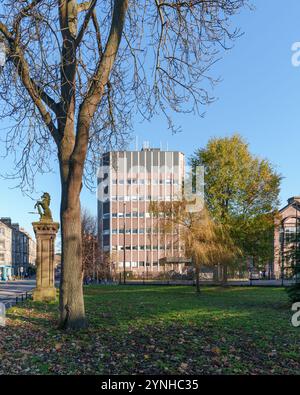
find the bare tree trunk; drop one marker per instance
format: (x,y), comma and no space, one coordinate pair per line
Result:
(71,303)
(72,313)
(197,273)
(225,274)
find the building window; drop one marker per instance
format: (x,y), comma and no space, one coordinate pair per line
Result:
(2,231)
(2,244)
(132,181)
(2,258)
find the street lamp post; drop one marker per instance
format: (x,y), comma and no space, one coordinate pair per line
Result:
(297,248)
(2,54)
(124,244)
(282,255)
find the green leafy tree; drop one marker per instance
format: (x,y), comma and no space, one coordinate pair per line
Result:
(241,192)
(255,237)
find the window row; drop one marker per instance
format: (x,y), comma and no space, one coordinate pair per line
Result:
(137,264)
(148,181)
(134,214)
(144,248)
(122,198)
(131,231)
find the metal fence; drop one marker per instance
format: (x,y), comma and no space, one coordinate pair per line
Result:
(17,298)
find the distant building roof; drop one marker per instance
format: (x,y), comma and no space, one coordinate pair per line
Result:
(291,201)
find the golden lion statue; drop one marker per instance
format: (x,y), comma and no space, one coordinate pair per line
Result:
(44,204)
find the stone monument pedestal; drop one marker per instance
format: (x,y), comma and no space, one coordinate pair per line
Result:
(45,232)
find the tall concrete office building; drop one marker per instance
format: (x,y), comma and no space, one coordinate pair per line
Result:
(127,182)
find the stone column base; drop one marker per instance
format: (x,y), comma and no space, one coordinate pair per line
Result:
(44,294)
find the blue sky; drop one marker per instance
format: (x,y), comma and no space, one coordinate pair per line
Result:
(259,97)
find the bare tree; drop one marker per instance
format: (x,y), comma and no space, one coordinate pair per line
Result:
(90,247)
(77,70)
(95,262)
(88,223)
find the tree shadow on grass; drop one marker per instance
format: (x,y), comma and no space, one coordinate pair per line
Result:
(124,307)
(37,313)
(220,330)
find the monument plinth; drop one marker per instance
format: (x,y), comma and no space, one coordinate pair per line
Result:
(45,232)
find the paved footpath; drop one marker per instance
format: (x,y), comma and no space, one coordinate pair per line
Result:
(11,289)
(258,283)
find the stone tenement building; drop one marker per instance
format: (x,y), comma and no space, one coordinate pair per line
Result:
(127,182)
(17,249)
(286,237)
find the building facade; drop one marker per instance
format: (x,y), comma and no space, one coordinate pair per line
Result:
(286,237)
(6,260)
(128,181)
(21,248)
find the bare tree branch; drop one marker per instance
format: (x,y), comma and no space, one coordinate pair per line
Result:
(86,21)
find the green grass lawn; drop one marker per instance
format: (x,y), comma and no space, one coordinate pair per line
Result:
(153,329)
